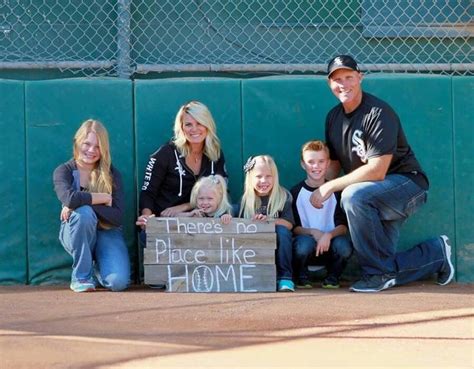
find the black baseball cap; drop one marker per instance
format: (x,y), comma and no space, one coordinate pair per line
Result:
(342,62)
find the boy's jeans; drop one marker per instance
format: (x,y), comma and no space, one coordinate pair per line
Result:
(375,212)
(86,244)
(335,259)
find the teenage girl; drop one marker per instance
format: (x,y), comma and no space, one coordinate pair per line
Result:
(90,190)
(209,199)
(264,199)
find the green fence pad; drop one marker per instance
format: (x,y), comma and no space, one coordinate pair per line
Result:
(54,111)
(279,115)
(463,112)
(12,186)
(424,106)
(273,115)
(158,101)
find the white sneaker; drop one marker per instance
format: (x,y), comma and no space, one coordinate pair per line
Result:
(446,274)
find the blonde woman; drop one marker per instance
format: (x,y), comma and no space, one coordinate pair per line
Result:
(263,199)
(90,191)
(172,171)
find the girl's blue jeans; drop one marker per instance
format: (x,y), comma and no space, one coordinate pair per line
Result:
(88,246)
(284,255)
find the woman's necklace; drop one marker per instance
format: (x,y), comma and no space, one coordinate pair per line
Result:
(196,157)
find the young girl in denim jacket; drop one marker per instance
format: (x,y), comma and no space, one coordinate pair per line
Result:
(265,199)
(209,199)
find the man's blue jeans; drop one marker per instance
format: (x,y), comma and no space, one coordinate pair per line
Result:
(375,212)
(335,259)
(86,244)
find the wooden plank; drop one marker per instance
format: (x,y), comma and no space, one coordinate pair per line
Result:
(204,241)
(213,278)
(234,255)
(208,226)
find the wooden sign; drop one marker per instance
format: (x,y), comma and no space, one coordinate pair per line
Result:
(204,255)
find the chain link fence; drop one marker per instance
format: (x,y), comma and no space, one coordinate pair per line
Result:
(128,37)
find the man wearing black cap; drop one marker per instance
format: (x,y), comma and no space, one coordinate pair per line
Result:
(382,185)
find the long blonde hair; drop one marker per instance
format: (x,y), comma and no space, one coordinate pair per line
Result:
(101,177)
(218,184)
(200,112)
(250,200)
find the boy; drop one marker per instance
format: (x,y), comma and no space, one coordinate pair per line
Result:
(320,234)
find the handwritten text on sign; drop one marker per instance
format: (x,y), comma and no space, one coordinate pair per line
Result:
(228,253)
(191,255)
(210,226)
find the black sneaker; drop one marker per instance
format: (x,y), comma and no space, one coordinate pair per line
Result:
(331,282)
(374,283)
(446,274)
(304,283)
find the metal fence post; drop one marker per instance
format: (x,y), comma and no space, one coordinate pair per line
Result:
(124,68)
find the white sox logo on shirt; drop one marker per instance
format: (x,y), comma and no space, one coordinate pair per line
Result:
(359,145)
(372,116)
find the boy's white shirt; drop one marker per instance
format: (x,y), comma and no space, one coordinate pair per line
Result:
(311,217)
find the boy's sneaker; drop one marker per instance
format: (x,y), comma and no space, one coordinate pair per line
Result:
(331,282)
(374,283)
(446,274)
(285,285)
(82,285)
(304,283)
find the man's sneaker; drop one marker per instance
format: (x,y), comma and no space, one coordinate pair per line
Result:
(446,274)
(82,286)
(304,283)
(374,283)
(285,285)
(331,282)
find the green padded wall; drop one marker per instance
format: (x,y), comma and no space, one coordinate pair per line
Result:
(279,115)
(424,105)
(13,247)
(156,105)
(463,97)
(272,115)
(54,111)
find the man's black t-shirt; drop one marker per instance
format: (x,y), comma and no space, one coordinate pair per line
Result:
(372,130)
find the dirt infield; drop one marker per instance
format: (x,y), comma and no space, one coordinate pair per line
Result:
(420,325)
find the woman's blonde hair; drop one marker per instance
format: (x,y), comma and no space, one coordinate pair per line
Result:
(101,178)
(218,184)
(250,200)
(200,112)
